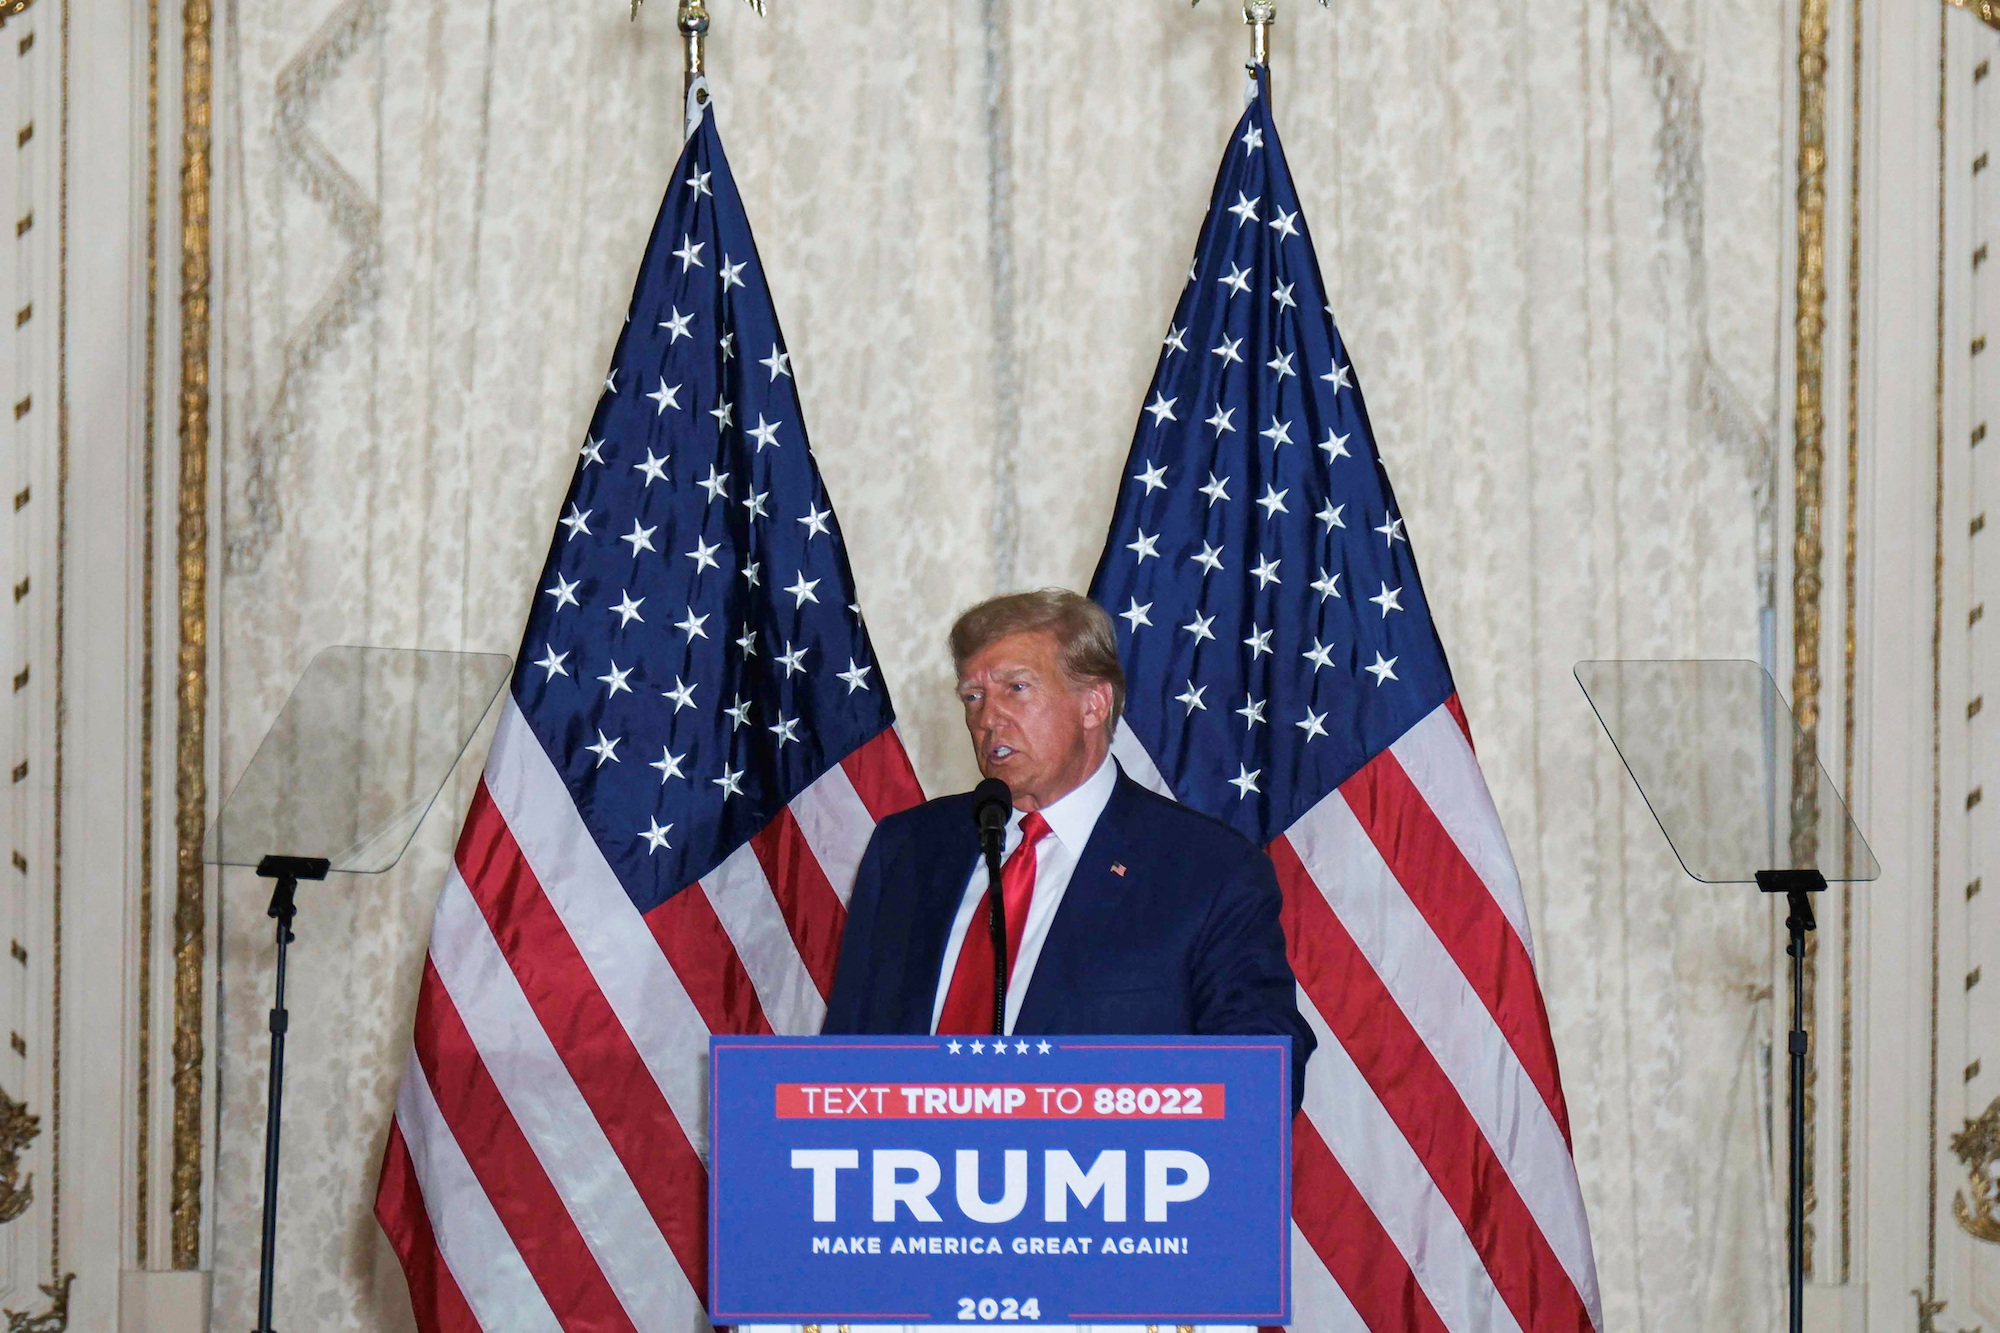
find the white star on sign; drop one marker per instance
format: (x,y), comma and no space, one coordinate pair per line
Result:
(1340,377)
(576,523)
(1199,627)
(1259,642)
(1245,781)
(1382,669)
(654,468)
(1253,138)
(655,836)
(754,502)
(641,538)
(1278,432)
(778,363)
(1273,501)
(716,483)
(1237,279)
(552,662)
(1331,516)
(787,729)
(953,1047)
(732,274)
(1135,615)
(690,253)
(1282,363)
(1144,546)
(1285,224)
(802,590)
(1244,208)
(1327,585)
(1175,339)
(682,694)
(1222,420)
(1152,478)
(691,625)
(731,782)
(676,326)
(564,592)
(703,555)
(699,184)
(1392,530)
(978,1047)
(1387,599)
(815,522)
(669,765)
(739,713)
(1215,490)
(793,660)
(1282,294)
(627,610)
(1314,725)
(724,412)
(616,680)
(1266,573)
(856,675)
(1227,349)
(592,451)
(764,432)
(1191,696)
(1252,712)
(1335,446)
(1209,558)
(1318,656)
(1162,408)
(1020,1048)
(1041,1048)
(604,749)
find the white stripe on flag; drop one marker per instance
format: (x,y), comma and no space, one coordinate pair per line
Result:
(1397,1188)
(1453,1022)
(1445,772)
(837,827)
(636,979)
(1138,765)
(748,911)
(474,1241)
(1318,1303)
(555,1119)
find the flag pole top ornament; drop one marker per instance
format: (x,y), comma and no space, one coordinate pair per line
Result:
(1259,15)
(692,20)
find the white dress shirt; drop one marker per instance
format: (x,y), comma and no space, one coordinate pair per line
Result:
(1071,820)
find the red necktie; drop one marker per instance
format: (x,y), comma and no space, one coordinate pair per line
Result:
(968,1005)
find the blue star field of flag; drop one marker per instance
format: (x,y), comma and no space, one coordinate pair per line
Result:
(1273,630)
(695,657)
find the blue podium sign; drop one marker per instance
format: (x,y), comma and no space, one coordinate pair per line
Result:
(1056,1179)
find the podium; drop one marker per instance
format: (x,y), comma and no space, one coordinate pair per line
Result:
(340,782)
(1054,1180)
(1742,798)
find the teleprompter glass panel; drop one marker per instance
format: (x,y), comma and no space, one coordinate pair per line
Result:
(356,757)
(1725,769)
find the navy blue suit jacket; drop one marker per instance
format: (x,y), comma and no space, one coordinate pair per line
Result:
(1186,941)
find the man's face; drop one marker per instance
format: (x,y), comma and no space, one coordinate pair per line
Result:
(1030,726)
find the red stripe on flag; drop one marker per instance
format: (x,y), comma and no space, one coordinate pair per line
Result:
(506,1166)
(701,953)
(812,910)
(607,1068)
(882,777)
(1457,711)
(1348,1238)
(1425,1107)
(439,1305)
(1462,912)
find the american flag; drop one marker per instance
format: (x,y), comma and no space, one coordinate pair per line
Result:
(1284,674)
(695,749)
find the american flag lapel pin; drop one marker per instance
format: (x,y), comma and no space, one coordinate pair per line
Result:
(1118,869)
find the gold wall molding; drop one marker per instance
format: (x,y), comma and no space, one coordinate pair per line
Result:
(1987,10)
(191,683)
(1808,493)
(1850,581)
(9,8)
(1978,1147)
(148,680)
(55,1319)
(18,1129)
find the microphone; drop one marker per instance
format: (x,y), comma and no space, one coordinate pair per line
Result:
(992,802)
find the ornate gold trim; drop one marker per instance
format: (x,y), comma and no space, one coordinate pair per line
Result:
(9,8)
(191,692)
(143,1147)
(1808,493)
(1850,569)
(1987,10)
(60,1311)
(18,1129)
(1978,1147)
(1928,1305)
(53,1320)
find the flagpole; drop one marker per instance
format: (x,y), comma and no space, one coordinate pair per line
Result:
(1259,15)
(692,19)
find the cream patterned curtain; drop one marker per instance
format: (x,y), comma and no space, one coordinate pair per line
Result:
(1553,233)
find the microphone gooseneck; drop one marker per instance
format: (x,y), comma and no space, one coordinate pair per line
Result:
(992,803)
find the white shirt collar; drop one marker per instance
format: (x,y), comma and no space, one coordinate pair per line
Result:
(1073,816)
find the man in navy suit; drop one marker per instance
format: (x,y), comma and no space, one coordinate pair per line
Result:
(1126,912)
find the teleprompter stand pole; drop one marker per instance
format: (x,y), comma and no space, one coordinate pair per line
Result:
(287,871)
(1797,886)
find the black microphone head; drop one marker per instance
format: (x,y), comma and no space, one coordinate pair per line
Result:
(991,802)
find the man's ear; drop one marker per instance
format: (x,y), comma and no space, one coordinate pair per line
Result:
(1096,704)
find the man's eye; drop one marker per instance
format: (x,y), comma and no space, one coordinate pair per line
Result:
(1018,686)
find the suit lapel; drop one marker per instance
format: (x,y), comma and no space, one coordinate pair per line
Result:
(1091,908)
(951,861)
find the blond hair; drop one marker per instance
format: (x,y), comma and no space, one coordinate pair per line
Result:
(1087,645)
